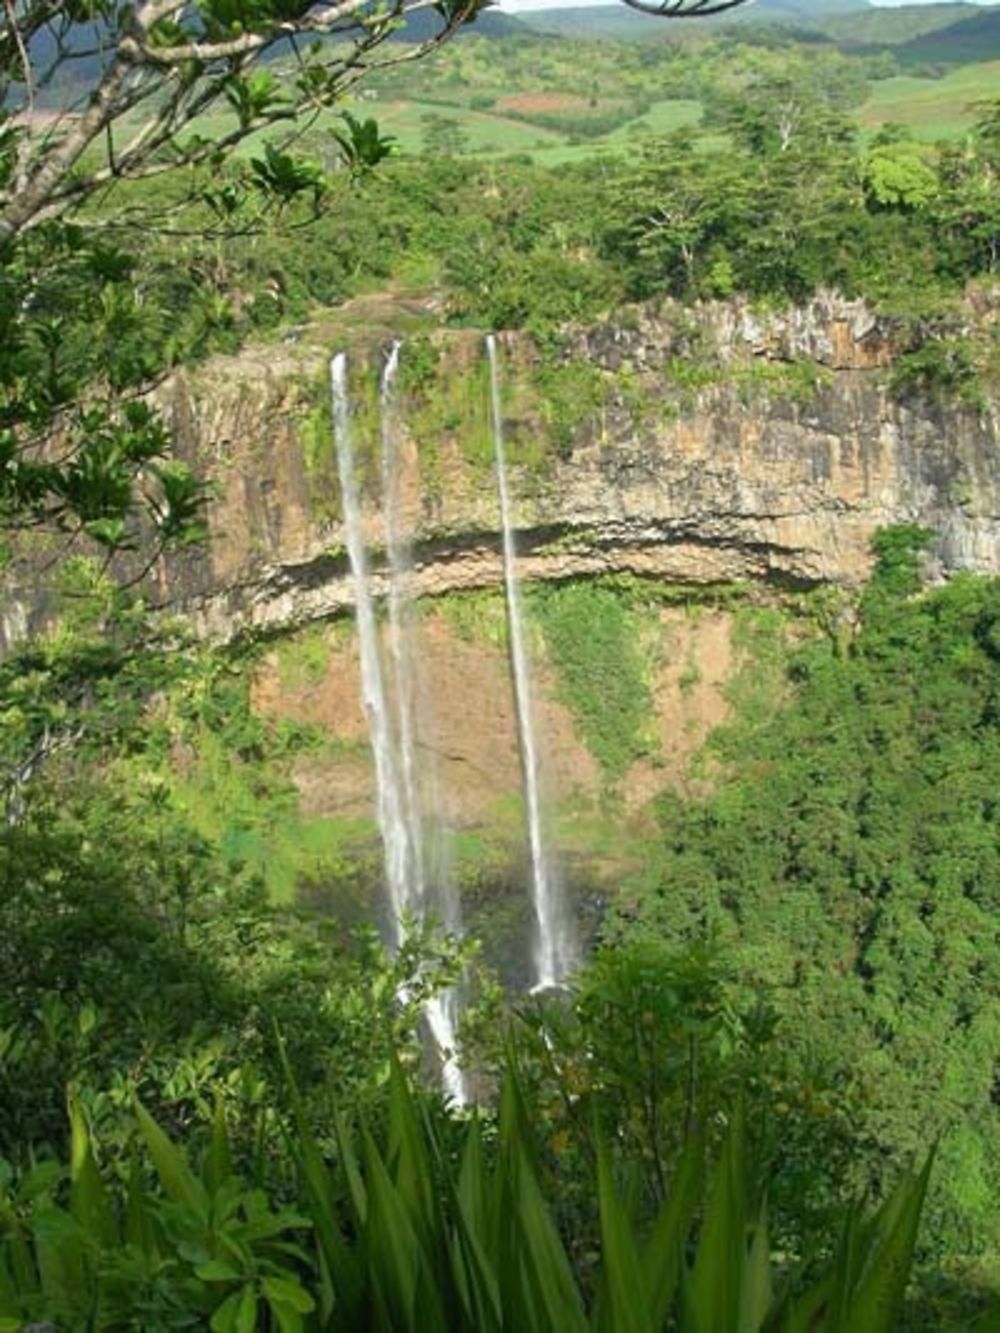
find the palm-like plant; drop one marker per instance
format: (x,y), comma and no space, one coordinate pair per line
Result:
(394,1237)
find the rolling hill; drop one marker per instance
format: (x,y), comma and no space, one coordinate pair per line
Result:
(974,38)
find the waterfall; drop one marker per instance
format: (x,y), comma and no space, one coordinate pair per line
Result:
(392,824)
(554,948)
(391,729)
(441,1010)
(400,643)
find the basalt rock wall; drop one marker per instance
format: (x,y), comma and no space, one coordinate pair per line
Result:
(776,463)
(700,446)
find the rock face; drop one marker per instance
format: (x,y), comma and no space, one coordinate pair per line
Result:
(777,463)
(708,445)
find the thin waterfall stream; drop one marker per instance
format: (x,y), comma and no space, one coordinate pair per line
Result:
(392,714)
(554,952)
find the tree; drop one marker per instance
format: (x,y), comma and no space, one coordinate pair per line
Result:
(443,136)
(680,202)
(969,201)
(152,71)
(96,93)
(898,175)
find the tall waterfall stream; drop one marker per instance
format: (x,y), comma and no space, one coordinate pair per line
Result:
(390,700)
(554,945)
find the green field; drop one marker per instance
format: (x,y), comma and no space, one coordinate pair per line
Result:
(932,108)
(563,100)
(486,133)
(482,132)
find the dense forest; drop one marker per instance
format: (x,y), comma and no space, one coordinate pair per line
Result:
(767,1096)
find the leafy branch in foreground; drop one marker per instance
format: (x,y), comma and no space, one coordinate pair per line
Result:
(398,1234)
(124,84)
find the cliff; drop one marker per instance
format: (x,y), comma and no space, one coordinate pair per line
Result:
(703,447)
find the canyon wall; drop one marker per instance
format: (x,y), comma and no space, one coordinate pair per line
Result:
(704,447)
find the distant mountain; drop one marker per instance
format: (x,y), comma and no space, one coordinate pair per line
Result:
(424,23)
(617,20)
(597,21)
(78,75)
(974,38)
(891,26)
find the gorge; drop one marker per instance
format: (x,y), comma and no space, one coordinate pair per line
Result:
(713,475)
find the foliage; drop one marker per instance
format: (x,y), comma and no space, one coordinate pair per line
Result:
(164,902)
(848,862)
(570,394)
(137,956)
(595,642)
(362,145)
(83,333)
(898,175)
(414,1232)
(157,71)
(942,368)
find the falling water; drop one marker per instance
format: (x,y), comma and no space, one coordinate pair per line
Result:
(400,640)
(441,1010)
(392,732)
(373,696)
(554,952)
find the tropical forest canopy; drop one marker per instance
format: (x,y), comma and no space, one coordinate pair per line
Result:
(214,1110)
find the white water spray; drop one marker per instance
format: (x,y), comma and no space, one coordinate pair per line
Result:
(392,733)
(554,954)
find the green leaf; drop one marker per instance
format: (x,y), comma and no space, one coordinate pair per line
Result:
(89,1202)
(138,1227)
(878,1299)
(218,1159)
(341,1265)
(756,1290)
(349,1165)
(408,1156)
(623,1304)
(178,1181)
(713,1291)
(551,1289)
(217,1270)
(288,1291)
(664,1250)
(474,1275)
(237,1313)
(391,1242)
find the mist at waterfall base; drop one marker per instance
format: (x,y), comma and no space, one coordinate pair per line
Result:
(418,886)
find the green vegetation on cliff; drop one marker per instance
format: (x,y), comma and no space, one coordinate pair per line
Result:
(848,862)
(595,641)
